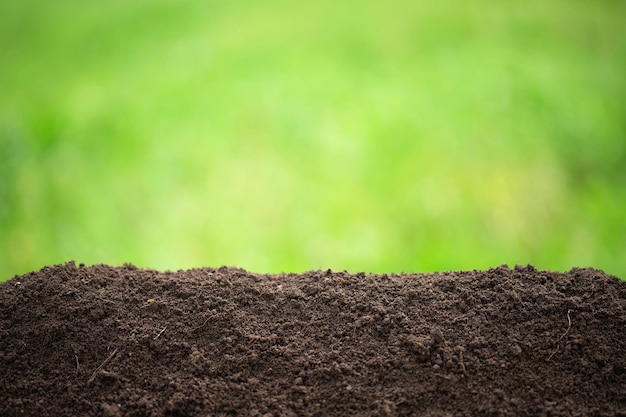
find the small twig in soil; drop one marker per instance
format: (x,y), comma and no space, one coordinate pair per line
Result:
(160,333)
(558,342)
(462,363)
(201,326)
(102,365)
(113,375)
(75,357)
(77,365)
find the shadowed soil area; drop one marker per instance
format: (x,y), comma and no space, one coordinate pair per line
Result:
(122,341)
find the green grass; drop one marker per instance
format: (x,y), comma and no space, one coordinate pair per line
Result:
(280,136)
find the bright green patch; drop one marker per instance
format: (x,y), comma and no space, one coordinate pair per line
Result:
(283,136)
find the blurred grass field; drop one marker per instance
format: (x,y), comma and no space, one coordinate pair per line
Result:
(286,136)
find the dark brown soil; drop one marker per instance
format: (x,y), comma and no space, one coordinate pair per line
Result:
(121,341)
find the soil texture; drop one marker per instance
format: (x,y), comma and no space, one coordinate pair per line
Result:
(123,341)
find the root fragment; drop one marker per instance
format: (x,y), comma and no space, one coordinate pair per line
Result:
(102,365)
(160,333)
(558,342)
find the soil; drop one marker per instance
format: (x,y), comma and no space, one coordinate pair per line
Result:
(122,341)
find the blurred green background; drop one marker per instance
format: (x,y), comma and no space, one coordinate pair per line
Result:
(286,136)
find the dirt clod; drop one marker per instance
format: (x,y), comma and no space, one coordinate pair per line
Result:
(129,342)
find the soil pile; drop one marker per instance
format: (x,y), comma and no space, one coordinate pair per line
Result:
(121,341)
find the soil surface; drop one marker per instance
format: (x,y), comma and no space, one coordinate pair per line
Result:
(122,341)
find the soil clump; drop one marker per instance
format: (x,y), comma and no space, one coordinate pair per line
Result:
(123,341)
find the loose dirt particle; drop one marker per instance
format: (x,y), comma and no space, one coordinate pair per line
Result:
(503,342)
